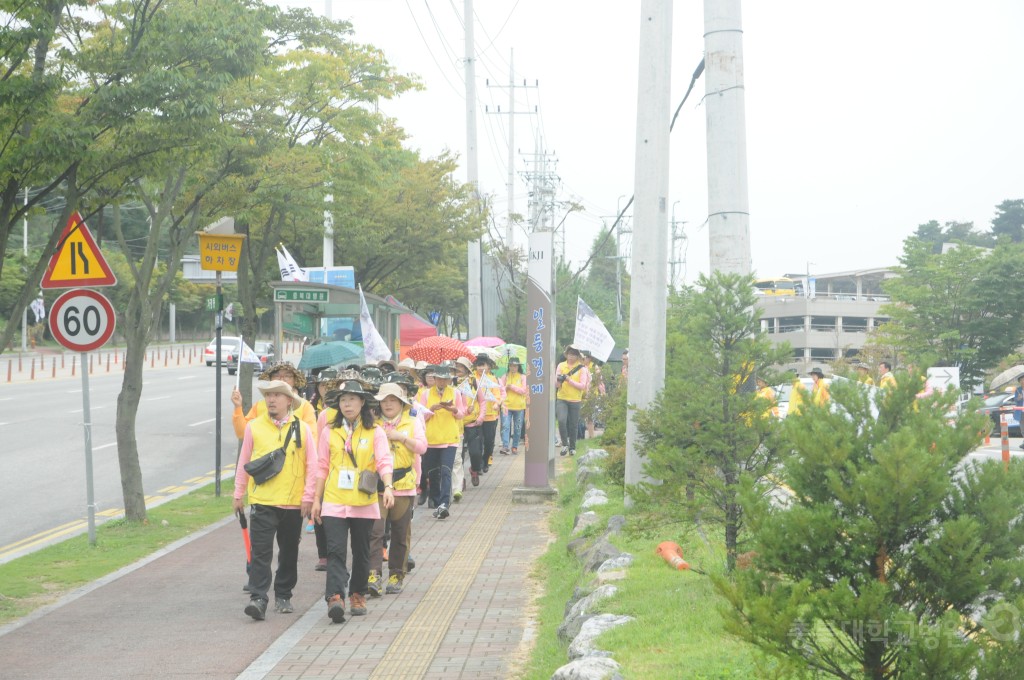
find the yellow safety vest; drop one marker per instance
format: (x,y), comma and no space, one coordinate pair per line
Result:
(513,401)
(287,486)
(492,408)
(473,405)
(442,428)
(402,456)
(567,392)
(305,412)
(362,451)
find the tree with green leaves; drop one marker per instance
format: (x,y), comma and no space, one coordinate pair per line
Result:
(892,557)
(1009,220)
(937,234)
(959,308)
(709,428)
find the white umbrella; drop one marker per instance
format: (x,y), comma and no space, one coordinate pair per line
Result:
(1007,377)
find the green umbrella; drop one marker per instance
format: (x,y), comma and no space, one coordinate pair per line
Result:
(330,354)
(509,350)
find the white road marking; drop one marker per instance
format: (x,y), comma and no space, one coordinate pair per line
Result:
(104,446)
(91,409)
(186,377)
(202,422)
(166,396)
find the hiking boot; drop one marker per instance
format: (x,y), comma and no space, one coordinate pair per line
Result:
(246,588)
(373,585)
(572,452)
(564,451)
(257,609)
(394,585)
(503,450)
(336,608)
(515,451)
(283,605)
(457,496)
(321,564)
(357,604)
(475,477)
(442,511)
(410,564)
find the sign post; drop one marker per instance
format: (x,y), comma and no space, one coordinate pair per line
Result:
(540,372)
(219,250)
(81,320)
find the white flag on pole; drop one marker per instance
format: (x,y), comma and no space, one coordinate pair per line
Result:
(286,261)
(38,308)
(282,264)
(374,347)
(591,334)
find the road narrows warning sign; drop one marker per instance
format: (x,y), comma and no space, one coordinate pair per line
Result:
(77,261)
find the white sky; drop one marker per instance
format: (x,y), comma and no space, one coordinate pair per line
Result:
(863,119)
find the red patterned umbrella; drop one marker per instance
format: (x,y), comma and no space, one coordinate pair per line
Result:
(439,348)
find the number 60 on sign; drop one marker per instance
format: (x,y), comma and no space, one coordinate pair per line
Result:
(82,320)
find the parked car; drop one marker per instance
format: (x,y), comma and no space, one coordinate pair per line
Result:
(994,406)
(227,345)
(265,352)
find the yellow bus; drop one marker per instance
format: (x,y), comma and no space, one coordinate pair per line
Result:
(776,286)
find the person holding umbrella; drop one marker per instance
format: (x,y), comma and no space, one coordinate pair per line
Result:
(446,408)
(354,446)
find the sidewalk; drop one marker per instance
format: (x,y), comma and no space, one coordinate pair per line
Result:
(465,611)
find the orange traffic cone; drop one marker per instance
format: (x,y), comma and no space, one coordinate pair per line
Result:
(673,554)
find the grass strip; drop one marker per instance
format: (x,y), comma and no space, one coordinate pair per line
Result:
(44,576)
(678,630)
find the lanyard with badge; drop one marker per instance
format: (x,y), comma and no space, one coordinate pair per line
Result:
(346,476)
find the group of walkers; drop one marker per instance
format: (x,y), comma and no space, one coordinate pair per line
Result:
(371,444)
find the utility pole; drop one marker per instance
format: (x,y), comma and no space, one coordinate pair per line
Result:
(676,256)
(728,207)
(475,257)
(510,185)
(650,223)
(544,181)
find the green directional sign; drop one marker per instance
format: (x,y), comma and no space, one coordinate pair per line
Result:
(300,295)
(211,304)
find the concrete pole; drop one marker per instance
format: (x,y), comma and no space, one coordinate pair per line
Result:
(509,236)
(650,222)
(728,208)
(474,257)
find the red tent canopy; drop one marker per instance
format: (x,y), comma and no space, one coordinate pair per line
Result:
(412,328)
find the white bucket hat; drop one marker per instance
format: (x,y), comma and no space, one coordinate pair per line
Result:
(392,390)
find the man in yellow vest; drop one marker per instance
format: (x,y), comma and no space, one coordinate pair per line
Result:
(886,379)
(278,504)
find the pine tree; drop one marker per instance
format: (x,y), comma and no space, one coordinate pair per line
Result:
(892,548)
(708,428)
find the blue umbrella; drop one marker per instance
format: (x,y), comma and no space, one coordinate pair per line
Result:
(330,354)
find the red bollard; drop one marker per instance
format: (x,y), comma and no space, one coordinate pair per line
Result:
(108,363)
(152,359)
(33,369)
(19,363)
(166,356)
(53,368)
(73,359)
(90,365)
(62,362)
(8,370)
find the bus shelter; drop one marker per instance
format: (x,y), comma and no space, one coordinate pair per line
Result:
(320,310)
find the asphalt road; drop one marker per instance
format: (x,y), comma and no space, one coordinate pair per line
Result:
(43,452)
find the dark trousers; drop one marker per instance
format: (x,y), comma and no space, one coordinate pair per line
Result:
(567,413)
(338,531)
(266,522)
(400,516)
(437,466)
(490,428)
(473,438)
(321,540)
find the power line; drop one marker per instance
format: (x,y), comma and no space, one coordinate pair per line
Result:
(431,53)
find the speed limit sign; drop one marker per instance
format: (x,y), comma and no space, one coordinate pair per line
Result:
(82,320)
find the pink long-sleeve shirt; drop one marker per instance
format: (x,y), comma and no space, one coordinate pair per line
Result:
(245,455)
(382,459)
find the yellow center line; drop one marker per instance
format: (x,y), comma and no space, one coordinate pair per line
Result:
(412,651)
